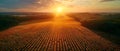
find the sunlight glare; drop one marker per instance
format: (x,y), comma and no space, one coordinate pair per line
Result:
(59,10)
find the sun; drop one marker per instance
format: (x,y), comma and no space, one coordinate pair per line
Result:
(59,13)
(59,9)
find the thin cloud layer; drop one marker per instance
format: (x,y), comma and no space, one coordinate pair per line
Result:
(32,5)
(23,3)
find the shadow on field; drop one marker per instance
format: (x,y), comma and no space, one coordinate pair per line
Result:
(8,21)
(104,24)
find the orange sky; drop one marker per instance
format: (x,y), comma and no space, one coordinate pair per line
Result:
(71,5)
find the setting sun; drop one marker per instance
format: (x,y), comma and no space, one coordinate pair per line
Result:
(59,9)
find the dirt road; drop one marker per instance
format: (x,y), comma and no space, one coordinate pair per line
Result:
(60,34)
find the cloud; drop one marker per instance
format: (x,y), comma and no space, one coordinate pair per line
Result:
(12,5)
(34,5)
(24,3)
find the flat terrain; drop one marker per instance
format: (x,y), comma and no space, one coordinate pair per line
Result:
(60,34)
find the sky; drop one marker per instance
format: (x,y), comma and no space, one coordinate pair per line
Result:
(72,5)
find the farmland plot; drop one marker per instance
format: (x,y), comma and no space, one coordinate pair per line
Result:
(56,35)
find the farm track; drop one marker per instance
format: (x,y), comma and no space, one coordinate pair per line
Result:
(57,35)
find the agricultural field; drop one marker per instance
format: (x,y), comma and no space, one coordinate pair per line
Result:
(106,25)
(71,32)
